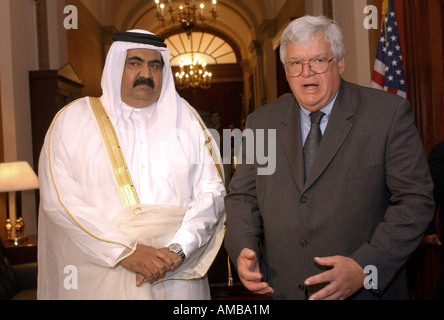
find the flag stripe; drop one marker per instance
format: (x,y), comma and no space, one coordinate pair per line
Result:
(388,73)
(378,79)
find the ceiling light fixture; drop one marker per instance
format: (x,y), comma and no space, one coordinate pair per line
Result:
(187,13)
(193,74)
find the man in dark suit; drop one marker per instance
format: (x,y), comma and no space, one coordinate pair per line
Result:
(436,163)
(344,226)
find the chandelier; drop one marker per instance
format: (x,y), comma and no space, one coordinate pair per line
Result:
(185,14)
(193,74)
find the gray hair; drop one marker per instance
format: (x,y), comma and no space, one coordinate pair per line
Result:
(301,31)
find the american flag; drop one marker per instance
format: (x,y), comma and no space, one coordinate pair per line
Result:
(388,72)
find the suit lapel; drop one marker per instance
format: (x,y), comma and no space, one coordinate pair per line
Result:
(290,136)
(338,127)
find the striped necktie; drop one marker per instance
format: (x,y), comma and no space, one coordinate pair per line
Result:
(312,142)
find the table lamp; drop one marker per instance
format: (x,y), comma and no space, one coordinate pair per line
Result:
(14,178)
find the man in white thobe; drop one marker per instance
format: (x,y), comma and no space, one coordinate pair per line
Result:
(130,185)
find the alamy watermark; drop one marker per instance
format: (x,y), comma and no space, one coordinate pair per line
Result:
(71,21)
(71,281)
(249,146)
(371,21)
(371,280)
(259,147)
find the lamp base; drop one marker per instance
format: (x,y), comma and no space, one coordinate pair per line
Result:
(16,241)
(14,233)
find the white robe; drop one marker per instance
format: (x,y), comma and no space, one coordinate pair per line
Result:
(81,241)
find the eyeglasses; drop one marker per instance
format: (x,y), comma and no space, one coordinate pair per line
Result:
(317,65)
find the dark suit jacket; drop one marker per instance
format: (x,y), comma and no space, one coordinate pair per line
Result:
(368,196)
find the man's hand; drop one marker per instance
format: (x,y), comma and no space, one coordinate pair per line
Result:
(345,278)
(175,262)
(249,273)
(431,239)
(148,263)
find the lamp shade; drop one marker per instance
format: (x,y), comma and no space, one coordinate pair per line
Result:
(17,176)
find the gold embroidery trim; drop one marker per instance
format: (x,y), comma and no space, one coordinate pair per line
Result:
(120,168)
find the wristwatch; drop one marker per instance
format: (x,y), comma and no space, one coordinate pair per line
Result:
(177,249)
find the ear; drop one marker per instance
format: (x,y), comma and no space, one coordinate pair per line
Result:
(341,65)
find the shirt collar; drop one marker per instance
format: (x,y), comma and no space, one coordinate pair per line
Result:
(128,111)
(327,109)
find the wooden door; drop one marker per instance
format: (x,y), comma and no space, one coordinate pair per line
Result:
(424,59)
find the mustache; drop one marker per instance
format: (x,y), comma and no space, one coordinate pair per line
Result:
(144,81)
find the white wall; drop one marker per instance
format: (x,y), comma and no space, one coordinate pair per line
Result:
(314,7)
(57,38)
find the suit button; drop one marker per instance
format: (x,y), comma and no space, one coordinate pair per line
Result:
(302,287)
(304,243)
(303,199)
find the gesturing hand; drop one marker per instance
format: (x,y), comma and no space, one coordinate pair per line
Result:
(345,278)
(249,273)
